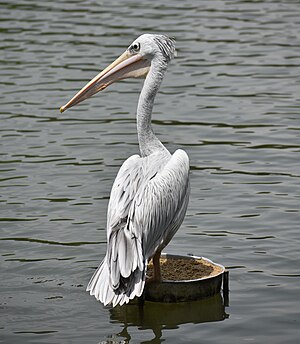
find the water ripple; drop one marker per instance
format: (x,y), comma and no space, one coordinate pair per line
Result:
(50,242)
(230,99)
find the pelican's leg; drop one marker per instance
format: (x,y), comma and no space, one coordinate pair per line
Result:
(156,267)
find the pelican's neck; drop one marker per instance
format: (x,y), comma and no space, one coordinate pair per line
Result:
(148,141)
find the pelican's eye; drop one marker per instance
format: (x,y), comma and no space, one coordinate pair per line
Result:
(135,47)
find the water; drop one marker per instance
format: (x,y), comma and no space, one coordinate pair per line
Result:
(230,99)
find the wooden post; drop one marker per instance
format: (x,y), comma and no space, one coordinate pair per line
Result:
(226,288)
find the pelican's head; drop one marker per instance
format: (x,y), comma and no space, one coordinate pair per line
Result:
(135,62)
(151,46)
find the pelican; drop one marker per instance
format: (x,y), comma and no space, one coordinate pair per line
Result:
(149,196)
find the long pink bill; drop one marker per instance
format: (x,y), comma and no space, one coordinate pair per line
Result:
(126,66)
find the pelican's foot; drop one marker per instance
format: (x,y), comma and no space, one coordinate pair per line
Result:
(153,279)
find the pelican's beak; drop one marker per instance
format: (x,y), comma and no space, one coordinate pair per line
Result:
(125,66)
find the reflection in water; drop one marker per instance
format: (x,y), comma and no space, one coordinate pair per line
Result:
(160,316)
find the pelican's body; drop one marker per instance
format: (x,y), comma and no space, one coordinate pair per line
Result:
(150,194)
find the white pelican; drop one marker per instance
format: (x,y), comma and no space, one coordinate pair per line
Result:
(150,194)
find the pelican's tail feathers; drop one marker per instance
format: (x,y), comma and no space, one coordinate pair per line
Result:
(99,285)
(129,288)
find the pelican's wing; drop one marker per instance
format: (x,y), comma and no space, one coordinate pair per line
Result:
(124,246)
(120,276)
(160,205)
(124,189)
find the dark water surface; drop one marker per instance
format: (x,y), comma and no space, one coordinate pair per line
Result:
(230,99)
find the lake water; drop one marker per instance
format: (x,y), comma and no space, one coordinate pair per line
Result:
(230,99)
